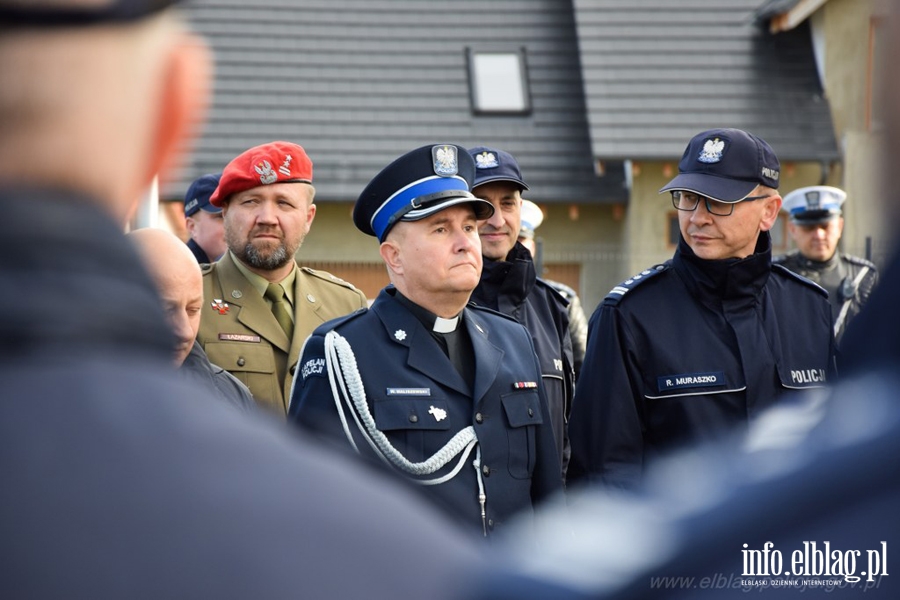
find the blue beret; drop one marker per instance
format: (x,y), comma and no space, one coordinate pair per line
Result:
(416,185)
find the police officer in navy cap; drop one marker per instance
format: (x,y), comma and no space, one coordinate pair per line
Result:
(446,393)
(510,284)
(816,224)
(203,220)
(696,347)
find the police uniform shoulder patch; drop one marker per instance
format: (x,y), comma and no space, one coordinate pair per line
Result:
(785,272)
(616,294)
(326,276)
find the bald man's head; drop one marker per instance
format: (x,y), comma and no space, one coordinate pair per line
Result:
(178,280)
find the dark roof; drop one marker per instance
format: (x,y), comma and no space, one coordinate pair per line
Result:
(656,72)
(773,8)
(360,82)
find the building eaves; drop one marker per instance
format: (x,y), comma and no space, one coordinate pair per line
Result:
(359,82)
(657,72)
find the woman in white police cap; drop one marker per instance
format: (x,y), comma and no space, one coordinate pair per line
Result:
(816,224)
(447,394)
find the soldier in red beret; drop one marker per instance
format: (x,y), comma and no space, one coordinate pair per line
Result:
(260,305)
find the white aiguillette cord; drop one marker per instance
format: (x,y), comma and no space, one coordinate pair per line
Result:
(339,358)
(348,389)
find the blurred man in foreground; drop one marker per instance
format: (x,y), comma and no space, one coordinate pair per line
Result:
(120,480)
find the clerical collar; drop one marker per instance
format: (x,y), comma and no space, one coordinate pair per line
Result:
(430,320)
(442,325)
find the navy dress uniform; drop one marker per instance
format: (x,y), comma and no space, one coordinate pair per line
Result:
(472,426)
(849,280)
(694,349)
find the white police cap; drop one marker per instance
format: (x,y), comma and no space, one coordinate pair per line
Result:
(814,204)
(532,217)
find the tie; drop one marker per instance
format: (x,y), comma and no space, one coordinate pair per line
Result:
(275,294)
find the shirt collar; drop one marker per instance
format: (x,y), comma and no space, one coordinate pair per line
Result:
(260,283)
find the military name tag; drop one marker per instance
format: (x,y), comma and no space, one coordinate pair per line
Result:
(239,337)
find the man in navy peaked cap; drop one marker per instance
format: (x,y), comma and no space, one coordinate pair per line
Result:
(697,347)
(446,393)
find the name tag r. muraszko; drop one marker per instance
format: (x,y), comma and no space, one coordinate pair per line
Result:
(690,380)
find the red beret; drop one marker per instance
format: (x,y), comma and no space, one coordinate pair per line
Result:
(275,162)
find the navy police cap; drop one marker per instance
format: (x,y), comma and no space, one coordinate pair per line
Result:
(197,196)
(725,165)
(496,165)
(41,13)
(418,184)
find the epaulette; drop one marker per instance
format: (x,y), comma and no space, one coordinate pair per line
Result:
(558,291)
(856,260)
(339,321)
(782,270)
(618,292)
(326,276)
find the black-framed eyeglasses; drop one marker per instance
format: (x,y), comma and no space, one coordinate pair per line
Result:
(688,201)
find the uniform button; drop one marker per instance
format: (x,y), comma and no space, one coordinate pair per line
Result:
(486,470)
(479,418)
(413,418)
(530,412)
(491,523)
(241,362)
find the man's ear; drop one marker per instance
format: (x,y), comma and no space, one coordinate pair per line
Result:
(183,100)
(390,254)
(771,207)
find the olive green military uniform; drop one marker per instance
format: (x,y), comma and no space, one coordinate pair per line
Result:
(240,334)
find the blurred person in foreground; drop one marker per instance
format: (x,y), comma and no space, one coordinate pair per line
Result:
(179,282)
(120,480)
(816,223)
(694,348)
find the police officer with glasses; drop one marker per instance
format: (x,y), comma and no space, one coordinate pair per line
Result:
(696,347)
